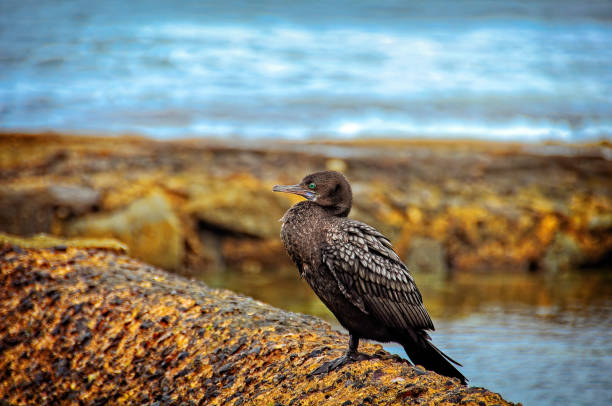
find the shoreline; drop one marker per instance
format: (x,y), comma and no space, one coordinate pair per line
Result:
(358,140)
(471,205)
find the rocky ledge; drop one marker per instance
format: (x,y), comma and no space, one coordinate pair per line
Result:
(189,205)
(92,326)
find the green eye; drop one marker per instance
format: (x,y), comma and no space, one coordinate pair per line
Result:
(312,186)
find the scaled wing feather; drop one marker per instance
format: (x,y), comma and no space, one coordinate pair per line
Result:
(374,279)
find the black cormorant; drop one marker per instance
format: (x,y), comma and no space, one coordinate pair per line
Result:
(353,269)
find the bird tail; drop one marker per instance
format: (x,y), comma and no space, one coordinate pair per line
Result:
(422,352)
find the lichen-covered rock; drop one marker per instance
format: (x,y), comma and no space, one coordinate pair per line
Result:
(491,206)
(90,326)
(239,204)
(148,226)
(41,241)
(563,253)
(36,208)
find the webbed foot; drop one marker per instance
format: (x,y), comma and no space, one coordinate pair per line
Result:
(346,359)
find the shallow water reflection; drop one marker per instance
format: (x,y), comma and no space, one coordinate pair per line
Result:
(537,339)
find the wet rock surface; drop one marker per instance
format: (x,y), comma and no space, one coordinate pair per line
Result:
(490,206)
(148,225)
(91,326)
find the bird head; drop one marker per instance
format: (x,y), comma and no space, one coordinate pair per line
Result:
(328,189)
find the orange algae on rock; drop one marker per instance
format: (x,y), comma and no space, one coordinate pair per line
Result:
(490,206)
(93,326)
(148,226)
(47,241)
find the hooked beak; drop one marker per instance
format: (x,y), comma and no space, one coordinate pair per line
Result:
(295,189)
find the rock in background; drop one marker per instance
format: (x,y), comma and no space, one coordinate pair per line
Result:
(187,205)
(148,225)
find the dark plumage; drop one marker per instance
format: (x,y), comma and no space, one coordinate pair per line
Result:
(355,272)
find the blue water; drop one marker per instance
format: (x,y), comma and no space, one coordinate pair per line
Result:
(512,70)
(530,359)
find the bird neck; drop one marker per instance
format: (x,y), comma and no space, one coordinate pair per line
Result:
(338,210)
(305,209)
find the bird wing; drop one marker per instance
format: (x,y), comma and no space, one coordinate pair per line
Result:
(372,277)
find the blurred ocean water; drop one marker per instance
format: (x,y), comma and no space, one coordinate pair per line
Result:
(513,70)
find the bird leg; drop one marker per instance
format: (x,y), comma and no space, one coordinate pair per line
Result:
(351,355)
